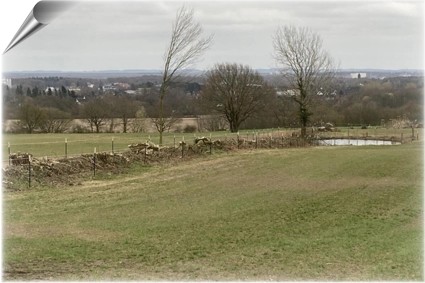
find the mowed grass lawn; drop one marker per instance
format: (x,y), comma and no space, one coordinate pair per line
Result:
(340,213)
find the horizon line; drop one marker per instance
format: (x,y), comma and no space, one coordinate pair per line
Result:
(198,70)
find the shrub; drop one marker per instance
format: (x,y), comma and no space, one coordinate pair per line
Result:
(78,129)
(189,129)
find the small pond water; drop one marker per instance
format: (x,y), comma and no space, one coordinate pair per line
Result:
(356,142)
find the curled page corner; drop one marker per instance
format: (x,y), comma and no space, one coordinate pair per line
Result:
(41,15)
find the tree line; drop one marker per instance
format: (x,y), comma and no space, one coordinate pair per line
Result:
(306,92)
(355,102)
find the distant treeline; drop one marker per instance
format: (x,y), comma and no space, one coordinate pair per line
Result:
(359,101)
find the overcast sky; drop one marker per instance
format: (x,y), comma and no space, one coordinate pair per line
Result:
(134,35)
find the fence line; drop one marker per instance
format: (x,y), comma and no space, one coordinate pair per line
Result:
(251,136)
(175,143)
(56,142)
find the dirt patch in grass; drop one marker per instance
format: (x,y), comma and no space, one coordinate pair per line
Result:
(29,231)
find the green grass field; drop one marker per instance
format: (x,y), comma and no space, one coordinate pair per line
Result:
(340,213)
(53,145)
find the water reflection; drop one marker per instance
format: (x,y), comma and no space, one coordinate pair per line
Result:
(356,142)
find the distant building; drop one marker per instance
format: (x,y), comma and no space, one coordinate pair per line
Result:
(7,82)
(74,89)
(122,85)
(52,89)
(109,87)
(358,75)
(289,92)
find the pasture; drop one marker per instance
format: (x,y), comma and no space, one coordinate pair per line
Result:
(53,145)
(318,213)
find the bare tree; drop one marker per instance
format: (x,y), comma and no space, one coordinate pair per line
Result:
(122,107)
(56,121)
(306,66)
(167,124)
(211,123)
(185,47)
(96,113)
(235,91)
(139,122)
(31,116)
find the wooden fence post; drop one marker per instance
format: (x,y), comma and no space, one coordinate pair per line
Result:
(29,171)
(210,143)
(94,162)
(66,148)
(183,146)
(8,149)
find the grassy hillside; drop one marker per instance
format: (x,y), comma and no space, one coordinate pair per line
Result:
(315,213)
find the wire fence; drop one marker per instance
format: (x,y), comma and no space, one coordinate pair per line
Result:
(101,152)
(268,138)
(72,148)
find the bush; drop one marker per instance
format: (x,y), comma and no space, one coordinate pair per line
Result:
(189,129)
(78,129)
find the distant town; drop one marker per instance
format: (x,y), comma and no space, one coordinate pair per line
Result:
(356,97)
(344,73)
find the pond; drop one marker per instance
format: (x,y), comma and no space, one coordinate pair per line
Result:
(356,142)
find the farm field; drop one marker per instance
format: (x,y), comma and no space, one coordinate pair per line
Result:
(53,145)
(319,213)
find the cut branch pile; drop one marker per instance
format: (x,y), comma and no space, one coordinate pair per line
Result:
(65,170)
(20,158)
(148,146)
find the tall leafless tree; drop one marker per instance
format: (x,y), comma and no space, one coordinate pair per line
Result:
(56,121)
(96,112)
(185,47)
(307,67)
(235,91)
(31,116)
(122,107)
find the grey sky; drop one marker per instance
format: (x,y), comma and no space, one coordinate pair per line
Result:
(134,35)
